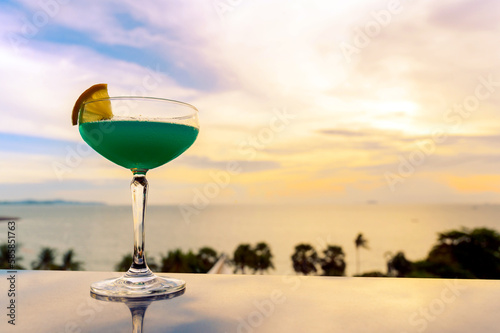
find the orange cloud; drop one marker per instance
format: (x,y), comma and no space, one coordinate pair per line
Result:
(475,183)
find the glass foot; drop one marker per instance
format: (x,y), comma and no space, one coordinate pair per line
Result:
(137,287)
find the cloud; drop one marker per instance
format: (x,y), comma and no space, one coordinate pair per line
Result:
(344,132)
(240,65)
(243,166)
(42,104)
(468,15)
(32,144)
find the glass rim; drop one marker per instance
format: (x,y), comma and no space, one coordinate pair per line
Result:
(112,98)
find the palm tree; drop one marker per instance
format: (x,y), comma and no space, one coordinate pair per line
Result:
(263,258)
(305,259)
(68,264)
(360,241)
(206,258)
(244,256)
(7,258)
(46,259)
(175,262)
(333,263)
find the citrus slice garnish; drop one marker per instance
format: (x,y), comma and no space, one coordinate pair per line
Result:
(94,111)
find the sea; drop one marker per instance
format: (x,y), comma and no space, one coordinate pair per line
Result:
(101,235)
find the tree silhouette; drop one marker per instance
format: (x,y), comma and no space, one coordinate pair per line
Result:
(466,254)
(263,258)
(461,254)
(46,259)
(244,256)
(207,257)
(67,262)
(179,262)
(124,264)
(305,259)
(6,256)
(360,242)
(258,258)
(333,263)
(176,262)
(373,274)
(398,265)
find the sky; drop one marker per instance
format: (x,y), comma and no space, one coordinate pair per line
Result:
(299,101)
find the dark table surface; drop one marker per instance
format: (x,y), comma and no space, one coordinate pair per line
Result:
(55,301)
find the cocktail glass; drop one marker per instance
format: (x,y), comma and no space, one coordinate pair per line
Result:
(143,133)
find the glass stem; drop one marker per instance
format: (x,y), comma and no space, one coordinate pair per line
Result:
(139,189)
(138,318)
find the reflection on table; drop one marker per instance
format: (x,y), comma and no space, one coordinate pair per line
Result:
(60,301)
(137,306)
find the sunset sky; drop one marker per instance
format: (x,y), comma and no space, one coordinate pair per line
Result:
(300,101)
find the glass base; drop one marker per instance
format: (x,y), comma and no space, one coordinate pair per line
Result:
(137,287)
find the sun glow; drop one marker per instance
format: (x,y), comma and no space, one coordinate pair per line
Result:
(395,115)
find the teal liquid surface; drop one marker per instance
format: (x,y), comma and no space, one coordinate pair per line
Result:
(135,144)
